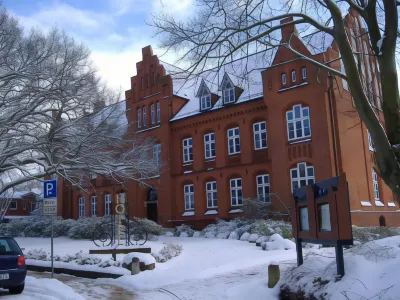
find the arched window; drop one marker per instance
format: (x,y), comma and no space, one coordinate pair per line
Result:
(211,194)
(144,116)
(107,204)
(158,112)
(283,79)
(236,191)
(302,175)
(376,185)
(263,189)
(81,207)
(153,114)
(298,122)
(293,76)
(304,73)
(94,205)
(260,135)
(139,117)
(209,145)
(187,150)
(188,191)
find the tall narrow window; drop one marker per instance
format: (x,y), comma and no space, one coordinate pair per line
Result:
(139,118)
(209,145)
(154,78)
(263,188)
(187,150)
(304,73)
(81,207)
(302,175)
(228,92)
(375,184)
(13,205)
(144,117)
(283,79)
(260,135)
(157,154)
(153,114)
(298,122)
(236,192)
(205,102)
(293,76)
(94,206)
(189,196)
(233,140)
(370,142)
(107,205)
(211,190)
(158,112)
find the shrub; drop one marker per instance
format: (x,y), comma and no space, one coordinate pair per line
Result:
(151,226)
(167,252)
(186,229)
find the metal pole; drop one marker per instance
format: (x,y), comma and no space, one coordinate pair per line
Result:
(52,256)
(299,250)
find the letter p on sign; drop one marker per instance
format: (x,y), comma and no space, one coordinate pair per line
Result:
(50,189)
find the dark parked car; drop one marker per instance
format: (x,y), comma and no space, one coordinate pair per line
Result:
(12,266)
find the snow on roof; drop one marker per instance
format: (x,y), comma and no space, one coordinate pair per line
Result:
(114,112)
(317,42)
(244,73)
(18,195)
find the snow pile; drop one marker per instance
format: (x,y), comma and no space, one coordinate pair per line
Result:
(184,229)
(366,234)
(151,226)
(169,234)
(145,258)
(371,272)
(167,252)
(277,242)
(245,236)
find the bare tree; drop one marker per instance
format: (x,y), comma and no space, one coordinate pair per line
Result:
(53,118)
(223,31)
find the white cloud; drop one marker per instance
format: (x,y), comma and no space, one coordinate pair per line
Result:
(125,6)
(181,9)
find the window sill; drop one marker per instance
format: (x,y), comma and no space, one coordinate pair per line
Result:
(234,154)
(379,203)
(260,149)
(211,159)
(293,87)
(292,142)
(391,204)
(236,211)
(211,212)
(187,164)
(147,129)
(188,213)
(366,203)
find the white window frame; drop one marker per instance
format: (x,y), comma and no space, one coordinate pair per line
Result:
(263,185)
(92,176)
(283,77)
(208,145)
(139,117)
(293,76)
(157,154)
(81,207)
(144,116)
(258,133)
(188,192)
(375,184)
(211,194)
(153,114)
(304,73)
(236,200)
(158,112)
(187,150)
(93,205)
(228,97)
(16,205)
(298,179)
(294,120)
(234,137)
(370,142)
(107,205)
(205,102)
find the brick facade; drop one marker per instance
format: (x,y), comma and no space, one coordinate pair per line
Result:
(335,142)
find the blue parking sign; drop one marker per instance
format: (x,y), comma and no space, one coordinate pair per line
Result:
(50,189)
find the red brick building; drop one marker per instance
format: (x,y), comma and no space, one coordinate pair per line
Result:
(22,204)
(223,137)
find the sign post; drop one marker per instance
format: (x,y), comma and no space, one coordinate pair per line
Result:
(50,209)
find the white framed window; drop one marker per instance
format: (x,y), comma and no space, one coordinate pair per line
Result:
(209,145)
(283,79)
(205,102)
(153,114)
(107,205)
(229,95)
(144,117)
(13,205)
(233,140)
(139,118)
(187,150)
(236,191)
(157,154)
(211,190)
(302,175)
(158,112)
(94,205)
(370,142)
(298,122)
(304,73)
(293,76)
(260,135)
(375,184)
(81,207)
(92,176)
(263,189)
(189,196)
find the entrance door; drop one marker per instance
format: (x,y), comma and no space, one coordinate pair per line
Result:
(152,199)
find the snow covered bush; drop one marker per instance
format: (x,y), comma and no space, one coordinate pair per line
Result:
(209,235)
(245,236)
(184,229)
(197,234)
(83,228)
(223,235)
(277,242)
(167,252)
(38,254)
(151,226)
(366,234)
(253,238)
(183,234)
(233,236)
(169,234)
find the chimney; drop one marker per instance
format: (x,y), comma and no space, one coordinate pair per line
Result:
(147,52)
(288,30)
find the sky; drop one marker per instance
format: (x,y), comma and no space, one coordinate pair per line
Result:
(114,30)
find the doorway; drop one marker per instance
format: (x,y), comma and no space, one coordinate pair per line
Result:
(152,200)
(382,221)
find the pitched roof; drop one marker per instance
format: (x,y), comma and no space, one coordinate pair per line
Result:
(317,42)
(244,73)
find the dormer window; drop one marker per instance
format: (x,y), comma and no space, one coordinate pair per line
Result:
(228,90)
(229,95)
(205,102)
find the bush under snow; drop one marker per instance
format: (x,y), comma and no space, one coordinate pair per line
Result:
(277,242)
(245,236)
(188,230)
(167,252)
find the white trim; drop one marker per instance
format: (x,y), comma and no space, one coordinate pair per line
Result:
(304,73)
(233,137)
(236,189)
(391,204)
(230,97)
(188,195)
(214,201)
(299,178)
(298,142)
(211,212)
(205,100)
(189,164)
(107,200)
(259,133)
(81,207)
(210,143)
(188,213)
(283,78)
(158,112)
(292,87)
(300,119)
(375,185)
(375,211)
(93,206)
(379,203)
(293,76)
(366,203)
(188,148)
(144,111)
(263,185)
(147,129)
(153,114)
(370,142)
(235,211)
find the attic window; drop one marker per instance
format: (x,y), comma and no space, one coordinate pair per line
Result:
(205,102)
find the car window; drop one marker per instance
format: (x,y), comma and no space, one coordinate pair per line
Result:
(9,247)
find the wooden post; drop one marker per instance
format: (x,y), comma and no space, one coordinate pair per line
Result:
(339,258)
(274,274)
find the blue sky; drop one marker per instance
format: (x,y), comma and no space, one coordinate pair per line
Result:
(114,30)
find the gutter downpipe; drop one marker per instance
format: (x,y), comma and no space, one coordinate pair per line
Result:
(333,125)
